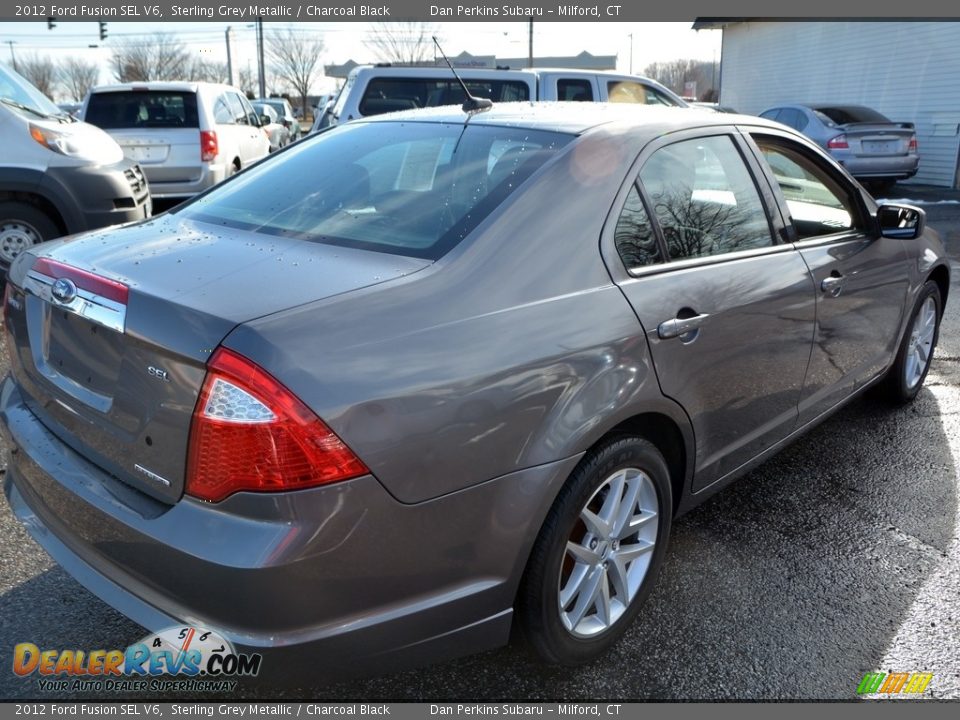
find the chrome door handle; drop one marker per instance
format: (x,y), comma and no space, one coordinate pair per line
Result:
(680,326)
(832,285)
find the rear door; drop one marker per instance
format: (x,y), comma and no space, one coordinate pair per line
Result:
(159,129)
(861,279)
(569,87)
(728,311)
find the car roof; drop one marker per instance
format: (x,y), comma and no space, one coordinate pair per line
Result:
(576,118)
(176,86)
(414,71)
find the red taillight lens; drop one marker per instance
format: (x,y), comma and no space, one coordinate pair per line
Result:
(838,143)
(912,145)
(209,147)
(249,433)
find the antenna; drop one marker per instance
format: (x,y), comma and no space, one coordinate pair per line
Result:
(471,104)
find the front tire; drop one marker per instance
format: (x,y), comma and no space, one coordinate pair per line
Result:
(916,349)
(598,553)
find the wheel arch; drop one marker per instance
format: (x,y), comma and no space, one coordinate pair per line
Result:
(941,276)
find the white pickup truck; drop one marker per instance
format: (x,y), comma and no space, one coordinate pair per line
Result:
(376,89)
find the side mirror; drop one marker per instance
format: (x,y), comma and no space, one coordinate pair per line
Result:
(264,120)
(902,222)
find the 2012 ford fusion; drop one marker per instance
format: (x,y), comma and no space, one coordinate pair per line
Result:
(463,379)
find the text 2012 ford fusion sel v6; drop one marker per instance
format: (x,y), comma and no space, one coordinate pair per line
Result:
(462,378)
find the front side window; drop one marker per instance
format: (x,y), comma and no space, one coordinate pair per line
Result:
(704,199)
(410,188)
(237,110)
(818,204)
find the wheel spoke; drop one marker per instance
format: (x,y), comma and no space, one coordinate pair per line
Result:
(617,573)
(636,522)
(628,553)
(614,500)
(582,554)
(627,507)
(586,597)
(595,524)
(574,583)
(603,599)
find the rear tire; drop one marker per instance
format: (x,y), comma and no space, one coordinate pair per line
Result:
(915,354)
(22,226)
(598,553)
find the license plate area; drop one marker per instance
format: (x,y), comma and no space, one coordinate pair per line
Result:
(881,147)
(83,351)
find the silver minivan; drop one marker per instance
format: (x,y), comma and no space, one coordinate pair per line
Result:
(187,136)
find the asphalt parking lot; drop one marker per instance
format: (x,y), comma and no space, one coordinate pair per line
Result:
(840,556)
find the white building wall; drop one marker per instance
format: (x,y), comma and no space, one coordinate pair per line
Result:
(909,71)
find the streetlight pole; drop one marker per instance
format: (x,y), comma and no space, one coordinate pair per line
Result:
(530,53)
(631,53)
(263,78)
(13,58)
(229,57)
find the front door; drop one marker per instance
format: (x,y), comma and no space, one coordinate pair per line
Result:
(861,279)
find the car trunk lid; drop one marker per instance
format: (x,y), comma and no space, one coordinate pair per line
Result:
(878,139)
(112,331)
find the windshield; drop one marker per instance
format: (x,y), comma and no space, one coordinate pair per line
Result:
(14,88)
(407,188)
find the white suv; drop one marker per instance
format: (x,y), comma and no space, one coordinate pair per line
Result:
(187,136)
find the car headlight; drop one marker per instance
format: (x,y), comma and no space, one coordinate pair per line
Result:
(66,143)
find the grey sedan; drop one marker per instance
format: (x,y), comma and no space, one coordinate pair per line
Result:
(461,382)
(870,146)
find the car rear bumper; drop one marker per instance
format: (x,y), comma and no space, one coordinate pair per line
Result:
(208,176)
(344,574)
(894,168)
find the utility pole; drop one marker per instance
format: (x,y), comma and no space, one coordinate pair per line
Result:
(229,58)
(530,57)
(631,53)
(13,58)
(263,78)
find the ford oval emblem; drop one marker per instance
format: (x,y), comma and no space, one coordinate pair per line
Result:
(63,291)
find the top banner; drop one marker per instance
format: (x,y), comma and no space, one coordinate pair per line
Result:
(471,10)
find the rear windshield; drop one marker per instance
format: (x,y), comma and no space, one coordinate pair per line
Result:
(391,94)
(142,109)
(413,189)
(847,114)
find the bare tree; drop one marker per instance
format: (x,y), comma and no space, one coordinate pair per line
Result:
(77,77)
(676,73)
(202,70)
(247,82)
(41,71)
(295,57)
(408,43)
(162,57)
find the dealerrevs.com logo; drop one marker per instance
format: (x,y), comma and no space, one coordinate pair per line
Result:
(178,658)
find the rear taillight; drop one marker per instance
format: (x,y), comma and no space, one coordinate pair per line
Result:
(838,143)
(209,147)
(249,433)
(912,145)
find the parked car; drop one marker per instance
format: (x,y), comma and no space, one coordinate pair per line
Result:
(287,116)
(373,90)
(276,132)
(58,176)
(187,136)
(870,146)
(380,459)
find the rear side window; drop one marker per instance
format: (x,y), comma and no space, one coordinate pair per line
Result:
(574,90)
(142,109)
(385,95)
(794,118)
(704,199)
(412,189)
(634,236)
(628,91)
